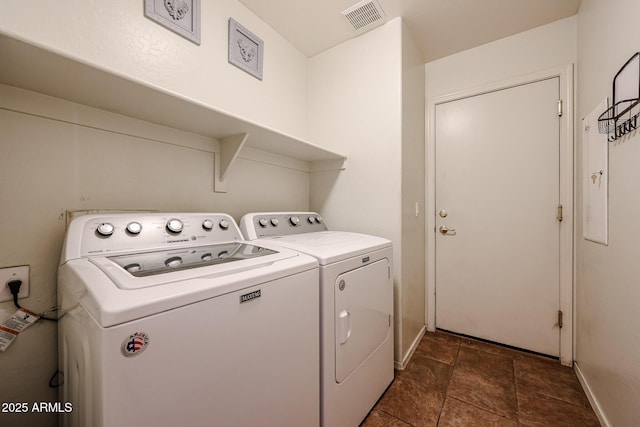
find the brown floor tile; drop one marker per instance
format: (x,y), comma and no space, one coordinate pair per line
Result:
(428,372)
(412,403)
(449,336)
(489,347)
(480,362)
(380,419)
(549,378)
(484,392)
(537,410)
(455,381)
(439,346)
(459,414)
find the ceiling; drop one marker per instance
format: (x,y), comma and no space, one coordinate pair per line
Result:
(439,27)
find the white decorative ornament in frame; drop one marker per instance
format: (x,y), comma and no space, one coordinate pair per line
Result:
(180,16)
(177,9)
(246,50)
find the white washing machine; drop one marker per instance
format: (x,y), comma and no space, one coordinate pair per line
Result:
(173,320)
(356,312)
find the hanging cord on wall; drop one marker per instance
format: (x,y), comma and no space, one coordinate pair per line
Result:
(57,379)
(14,287)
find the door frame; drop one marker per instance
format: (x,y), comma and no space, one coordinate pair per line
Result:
(567,196)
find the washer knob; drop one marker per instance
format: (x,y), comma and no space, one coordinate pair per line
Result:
(105,229)
(274,222)
(263,222)
(133,268)
(224,224)
(319,220)
(175,225)
(294,220)
(207,224)
(134,227)
(173,262)
(311,220)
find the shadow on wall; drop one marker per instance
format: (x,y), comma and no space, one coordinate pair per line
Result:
(323,178)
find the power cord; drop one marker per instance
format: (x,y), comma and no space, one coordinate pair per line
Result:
(14,287)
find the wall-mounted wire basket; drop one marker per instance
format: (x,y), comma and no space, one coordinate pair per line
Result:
(622,117)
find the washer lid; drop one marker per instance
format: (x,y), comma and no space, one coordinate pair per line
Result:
(331,246)
(154,268)
(160,262)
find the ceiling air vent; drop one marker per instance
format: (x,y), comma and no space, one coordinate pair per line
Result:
(363,14)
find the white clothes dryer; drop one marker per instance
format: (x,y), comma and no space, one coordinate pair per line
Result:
(356,311)
(173,319)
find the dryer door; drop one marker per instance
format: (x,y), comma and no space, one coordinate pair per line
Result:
(362,314)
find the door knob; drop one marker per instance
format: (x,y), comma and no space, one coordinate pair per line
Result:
(444,230)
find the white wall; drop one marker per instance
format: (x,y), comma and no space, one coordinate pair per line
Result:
(608,292)
(359,94)
(544,47)
(116,36)
(413,185)
(355,97)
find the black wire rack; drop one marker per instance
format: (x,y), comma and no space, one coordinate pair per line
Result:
(622,117)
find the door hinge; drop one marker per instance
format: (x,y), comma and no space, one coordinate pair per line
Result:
(559,319)
(559,213)
(560,107)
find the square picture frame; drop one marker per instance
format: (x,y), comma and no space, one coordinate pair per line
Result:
(180,16)
(246,50)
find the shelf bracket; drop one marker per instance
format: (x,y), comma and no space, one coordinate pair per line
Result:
(230,147)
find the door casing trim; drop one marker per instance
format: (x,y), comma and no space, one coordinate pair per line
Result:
(567,196)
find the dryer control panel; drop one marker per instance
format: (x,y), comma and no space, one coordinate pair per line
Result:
(258,225)
(100,234)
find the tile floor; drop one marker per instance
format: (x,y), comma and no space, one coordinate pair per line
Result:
(456,381)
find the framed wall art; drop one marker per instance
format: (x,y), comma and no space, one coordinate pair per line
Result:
(246,50)
(180,16)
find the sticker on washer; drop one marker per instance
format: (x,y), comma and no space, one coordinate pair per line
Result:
(16,323)
(135,344)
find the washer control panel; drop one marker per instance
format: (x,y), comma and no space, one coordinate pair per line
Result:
(272,224)
(113,233)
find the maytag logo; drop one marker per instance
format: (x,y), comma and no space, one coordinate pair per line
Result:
(250,296)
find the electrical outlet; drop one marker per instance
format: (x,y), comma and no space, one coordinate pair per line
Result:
(14,273)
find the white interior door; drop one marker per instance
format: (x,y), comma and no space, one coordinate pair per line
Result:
(497,179)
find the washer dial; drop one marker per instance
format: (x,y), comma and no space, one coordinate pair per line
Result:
(174,225)
(105,229)
(134,227)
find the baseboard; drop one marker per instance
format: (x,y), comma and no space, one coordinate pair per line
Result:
(592,398)
(400,365)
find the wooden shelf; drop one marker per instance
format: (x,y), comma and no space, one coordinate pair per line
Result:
(36,69)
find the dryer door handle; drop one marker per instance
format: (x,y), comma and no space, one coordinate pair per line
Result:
(344,326)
